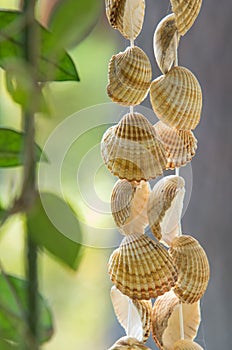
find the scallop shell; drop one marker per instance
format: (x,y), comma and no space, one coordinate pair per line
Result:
(129,77)
(193,268)
(141,268)
(186,12)
(165,206)
(131,150)
(165,42)
(129,205)
(140,314)
(127,343)
(180,145)
(176,98)
(184,344)
(127,16)
(166,320)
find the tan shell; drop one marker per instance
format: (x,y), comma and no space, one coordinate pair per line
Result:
(176,98)
(166,320)
(193,268)
(180,145)
(131,150)
(127,16)
(165,42)
(186,12)
(129,77)
(127,343)
(129,205)
(165,206)
(141,268)
(140,314)
(186,345)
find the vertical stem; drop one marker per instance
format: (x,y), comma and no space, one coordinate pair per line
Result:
(29,177)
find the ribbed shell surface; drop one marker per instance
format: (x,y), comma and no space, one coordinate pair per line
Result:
(141,268)
(131,150)
(176,98)
(127,343)
(180,145)
(129,77)
(193,269)
(186,345)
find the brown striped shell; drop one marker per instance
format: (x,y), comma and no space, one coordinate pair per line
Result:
(166,320)
(129,205)
(193,269)
(180,145)
(128,343)
(131,150)
(165,42)
(176,98)
(141,268)
(185,344)
(127,16)
(186,12)
(129,77)
(165,207)
(140,314)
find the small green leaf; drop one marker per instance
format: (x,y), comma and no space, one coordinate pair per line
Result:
(72,21)
(11,146)
(12,320)
(45,234)
(52,65)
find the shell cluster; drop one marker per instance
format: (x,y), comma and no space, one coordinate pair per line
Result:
(171,267)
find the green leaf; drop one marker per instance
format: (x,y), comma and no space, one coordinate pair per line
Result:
(12,321)
(52,65)
(11,146)
(51,237)
(72,21)
(4,345)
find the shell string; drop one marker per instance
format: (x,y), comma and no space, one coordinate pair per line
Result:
(176,60)
(131,109)
(129,318)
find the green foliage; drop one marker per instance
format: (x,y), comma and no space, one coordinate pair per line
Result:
(13,312)
(46,235)
(52,65)
(4,345)
(11,146)
(72,21)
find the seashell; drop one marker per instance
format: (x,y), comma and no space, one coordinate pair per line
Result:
(186,12)
(193,268)
(165,206)
(131,150)
(141,268)
(127,343)
(129,77)
(180,145)
(165,42)
(140,314)
(176,98)
(166,320)
(129,205)
(127,16)
(185,344)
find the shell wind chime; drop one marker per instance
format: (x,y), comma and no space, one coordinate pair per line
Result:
(172,267)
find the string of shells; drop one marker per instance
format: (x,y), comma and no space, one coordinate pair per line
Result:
(171,268)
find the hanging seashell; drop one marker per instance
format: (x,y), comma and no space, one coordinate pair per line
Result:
(186,12)
(176,98)
(141,268)
(131,150)
(127,16)
(129,77)
(127,343)
(193,268)
(186,345)
(140,314)
(129,205)
(166,320)
(165,42)
(180,145)
(165,206)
